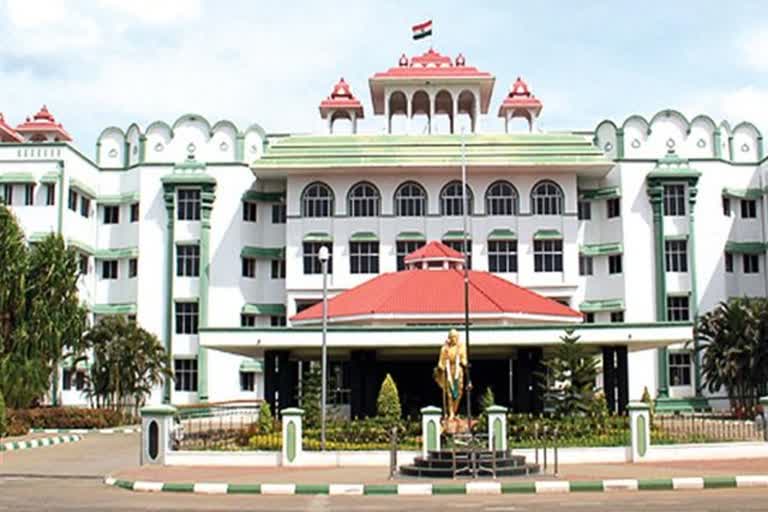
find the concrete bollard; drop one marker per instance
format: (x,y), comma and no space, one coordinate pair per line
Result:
(293,444)
(430,429)
(156,433)
(497,428)
(640,430)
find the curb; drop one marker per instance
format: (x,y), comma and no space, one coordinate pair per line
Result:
(37,443)
(116,430)
(472,488)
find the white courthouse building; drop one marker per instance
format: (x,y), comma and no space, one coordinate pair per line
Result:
(207,233)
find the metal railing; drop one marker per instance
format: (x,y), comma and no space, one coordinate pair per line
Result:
(226,432)
(706,428)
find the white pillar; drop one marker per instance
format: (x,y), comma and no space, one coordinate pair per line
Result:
(156,433)
(293,450)
(430,429)
(386,112)
(330,123)
(431,112)
(354,122)
(506,121)
(476,118)
(455,111)
(497,428)
(640,430)
(408,114)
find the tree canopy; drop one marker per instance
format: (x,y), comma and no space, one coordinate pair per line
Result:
(734,346)
(41,318)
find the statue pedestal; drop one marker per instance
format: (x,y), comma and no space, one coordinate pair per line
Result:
(457,425)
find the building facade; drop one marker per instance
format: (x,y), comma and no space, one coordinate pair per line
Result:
(208,234)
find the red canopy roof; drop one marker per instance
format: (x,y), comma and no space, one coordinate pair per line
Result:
(520,97)
(43,123)
(8,134)
(434,250)
(341,98)
(433,68)
(439,293)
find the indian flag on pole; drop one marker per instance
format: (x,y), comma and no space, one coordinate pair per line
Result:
(422,30)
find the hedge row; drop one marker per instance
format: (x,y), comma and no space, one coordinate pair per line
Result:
(21,420)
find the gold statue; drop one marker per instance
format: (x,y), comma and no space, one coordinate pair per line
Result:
(449,373)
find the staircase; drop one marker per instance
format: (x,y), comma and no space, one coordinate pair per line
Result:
(450,464)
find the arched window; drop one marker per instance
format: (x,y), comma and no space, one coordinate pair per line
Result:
(501,199)
(452,201)
(317,200)
(410,200)
(363,200)
(547,199)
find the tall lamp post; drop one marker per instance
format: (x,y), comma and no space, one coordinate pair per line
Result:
(464,211)
(323,255)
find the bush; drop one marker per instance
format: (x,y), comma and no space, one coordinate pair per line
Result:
(388,401)
(266,420)
(3,424)
(65,417)
(486,400)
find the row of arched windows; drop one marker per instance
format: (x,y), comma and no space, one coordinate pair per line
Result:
(364,199)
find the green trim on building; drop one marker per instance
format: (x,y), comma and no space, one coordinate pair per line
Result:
(364,236)
(207,197)
(310,151)
(131,197)
(743,193)
(602,305)
(38,236)
(413,236)
(746,247)
(502,234)
(601,249)
(11,178)
(453,235)
(317,237)
(264,253)
(114,309)
(599,193)
(169,198)
(115,254)
(81,246)
(265,197)
(252,365)
(264,309)
(547,234)
(82,187)
(670,238)
(49,177)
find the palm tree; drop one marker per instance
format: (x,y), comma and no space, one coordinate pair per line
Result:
(127,363)
(734,346)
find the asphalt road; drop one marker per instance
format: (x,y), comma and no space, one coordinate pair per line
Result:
(69,477)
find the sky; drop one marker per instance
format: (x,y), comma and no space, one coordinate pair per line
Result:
(97,63)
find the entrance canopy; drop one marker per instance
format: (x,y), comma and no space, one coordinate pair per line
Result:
(431,290)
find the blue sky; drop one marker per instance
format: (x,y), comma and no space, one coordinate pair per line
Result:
(97,63)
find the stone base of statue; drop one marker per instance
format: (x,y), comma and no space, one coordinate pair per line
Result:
(457,425)
(469,462)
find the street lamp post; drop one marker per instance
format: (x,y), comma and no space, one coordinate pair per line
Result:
(323,255)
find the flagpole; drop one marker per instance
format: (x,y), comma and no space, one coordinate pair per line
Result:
(465,209)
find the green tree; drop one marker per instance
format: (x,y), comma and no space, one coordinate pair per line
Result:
(41,318)
(570,387)
(311,394)
(486,400)
(734,350)
(127,363)
(266,421)
(3,422)
(388,401)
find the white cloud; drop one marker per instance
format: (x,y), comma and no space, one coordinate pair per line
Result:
(754,48)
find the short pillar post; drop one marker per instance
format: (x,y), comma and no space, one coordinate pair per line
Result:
(764,403)
(156,433)
(292,436)
(497,428)
(430,429)
(640,430)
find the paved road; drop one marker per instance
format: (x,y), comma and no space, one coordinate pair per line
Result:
(69,478)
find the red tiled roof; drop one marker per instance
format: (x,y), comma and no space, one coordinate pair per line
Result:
(341,98)
(43,122)
(8,134)
(434,250)
(437,292)
(520,96)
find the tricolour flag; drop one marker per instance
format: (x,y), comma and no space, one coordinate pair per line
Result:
(422,30)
